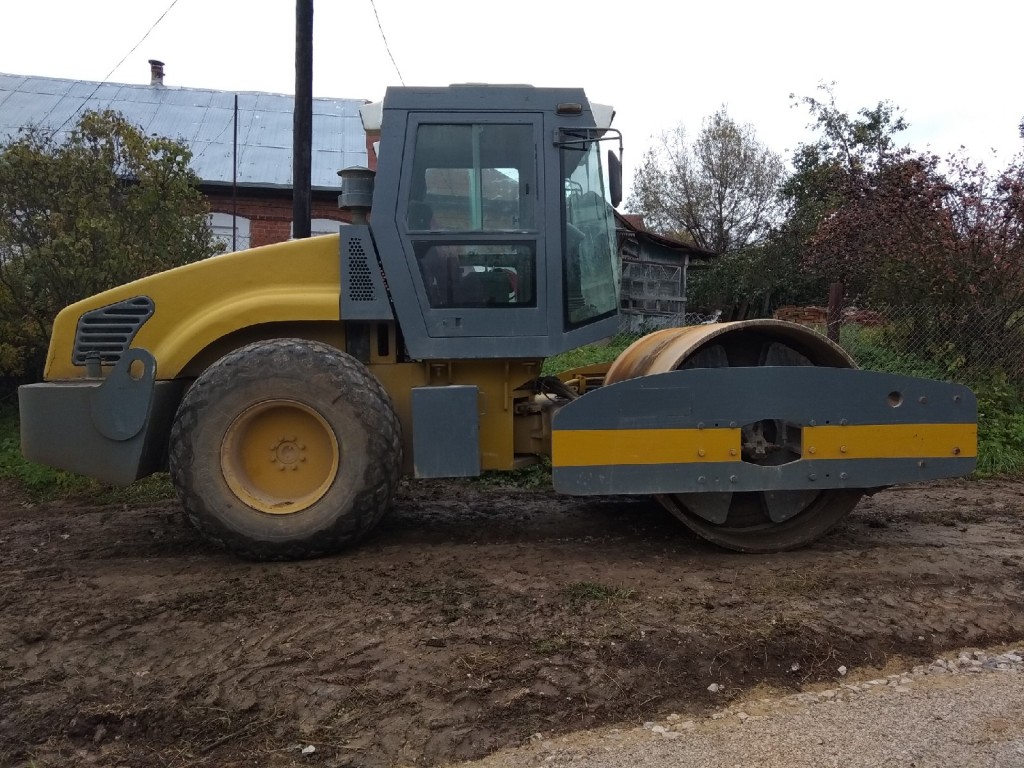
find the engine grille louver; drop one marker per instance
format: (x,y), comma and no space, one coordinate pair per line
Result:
(108,331)
(360,283)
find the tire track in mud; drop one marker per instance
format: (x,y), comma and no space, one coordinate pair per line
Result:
(468,621)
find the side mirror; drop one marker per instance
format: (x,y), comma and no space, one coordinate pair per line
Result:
(614,178)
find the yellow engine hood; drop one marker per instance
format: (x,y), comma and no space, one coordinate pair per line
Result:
(199,303)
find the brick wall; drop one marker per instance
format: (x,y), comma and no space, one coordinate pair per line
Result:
(818,316)
(803,315)
(270,216)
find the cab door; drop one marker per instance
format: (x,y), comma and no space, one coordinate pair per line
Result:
(472,224)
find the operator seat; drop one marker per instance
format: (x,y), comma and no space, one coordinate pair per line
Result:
(438,267)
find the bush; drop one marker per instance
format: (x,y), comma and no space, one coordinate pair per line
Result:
(1000,427)
(103,207)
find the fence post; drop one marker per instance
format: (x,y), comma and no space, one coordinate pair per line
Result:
(834,319)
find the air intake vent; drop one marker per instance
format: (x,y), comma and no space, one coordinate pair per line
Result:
(360,281)
(108,331)
(363,293)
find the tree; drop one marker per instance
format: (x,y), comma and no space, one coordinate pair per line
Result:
(721,191)
(830,171)
(752,282)
(944,238)
(103,207)
(904,227)
(838,168)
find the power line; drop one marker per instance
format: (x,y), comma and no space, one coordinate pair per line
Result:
(118,65)
(142,39)
(385,39)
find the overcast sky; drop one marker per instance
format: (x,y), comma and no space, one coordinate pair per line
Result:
(955,68)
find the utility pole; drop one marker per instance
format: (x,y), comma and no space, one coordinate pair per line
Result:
(302,121)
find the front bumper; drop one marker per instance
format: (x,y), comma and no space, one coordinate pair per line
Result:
(114,429)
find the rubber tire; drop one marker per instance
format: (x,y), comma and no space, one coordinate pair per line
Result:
(344,393)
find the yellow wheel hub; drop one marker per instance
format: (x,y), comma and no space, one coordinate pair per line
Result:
(279,456)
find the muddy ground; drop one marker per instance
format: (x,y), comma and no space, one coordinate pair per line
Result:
(470,620)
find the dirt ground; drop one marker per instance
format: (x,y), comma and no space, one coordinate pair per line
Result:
(470,620)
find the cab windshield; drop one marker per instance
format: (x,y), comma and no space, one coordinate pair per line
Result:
(591,272)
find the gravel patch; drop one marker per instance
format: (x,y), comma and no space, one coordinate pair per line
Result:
(962,710)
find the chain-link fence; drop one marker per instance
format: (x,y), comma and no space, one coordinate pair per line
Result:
(637,323)
(963,343)
(949,343)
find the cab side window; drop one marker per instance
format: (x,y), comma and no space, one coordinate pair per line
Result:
(471,214)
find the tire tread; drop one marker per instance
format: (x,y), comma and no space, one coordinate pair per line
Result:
(300,357)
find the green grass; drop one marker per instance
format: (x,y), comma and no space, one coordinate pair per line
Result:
(1000,428)
(1000,401)
(42,483)
(591,354)
(869,348)
(537,476)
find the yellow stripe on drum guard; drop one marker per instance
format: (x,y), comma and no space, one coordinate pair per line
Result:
(623,447)
(609,447)
(890,441)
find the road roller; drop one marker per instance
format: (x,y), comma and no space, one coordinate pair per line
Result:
(288,389)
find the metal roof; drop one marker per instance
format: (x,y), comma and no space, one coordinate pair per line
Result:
(202,119)
(634,223)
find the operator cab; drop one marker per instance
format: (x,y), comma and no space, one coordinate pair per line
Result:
(492,219)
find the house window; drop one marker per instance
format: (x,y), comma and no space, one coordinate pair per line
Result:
(319,227)
(324,226)
(221,225)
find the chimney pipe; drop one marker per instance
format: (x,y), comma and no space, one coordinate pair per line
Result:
(156,72)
